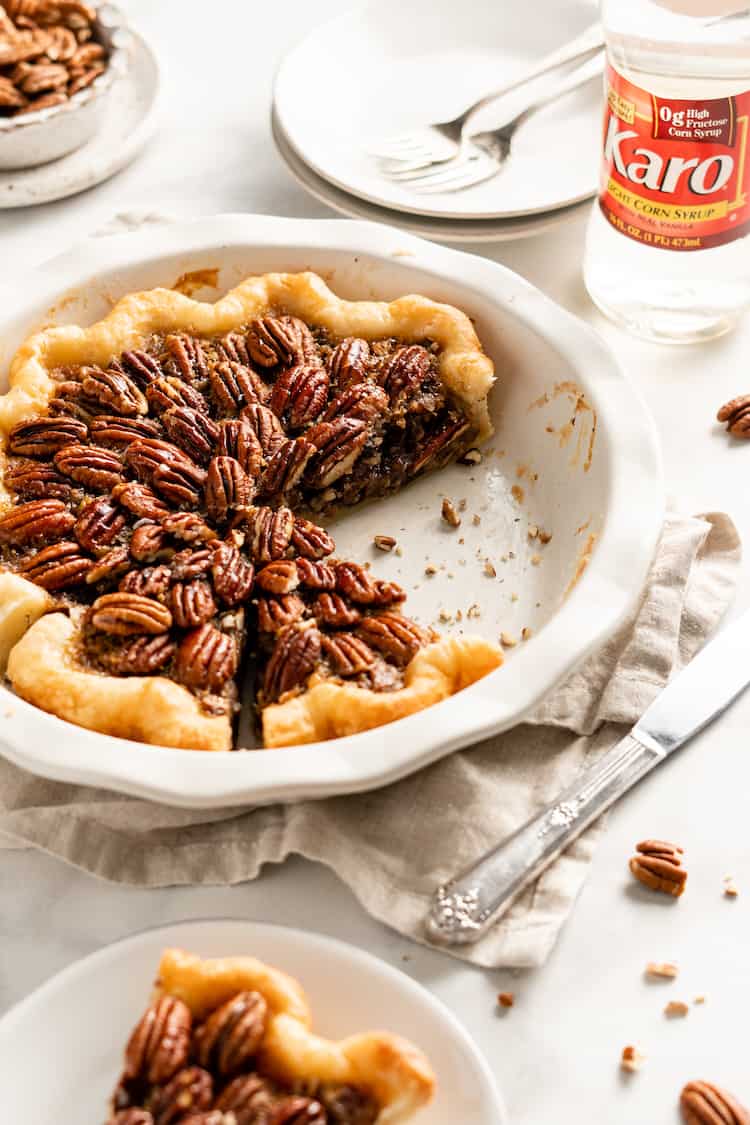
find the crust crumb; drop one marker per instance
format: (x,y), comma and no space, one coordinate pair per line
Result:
(506,999)
(676,1009)
(507,641)
(449,514)
(664,969)
(632,1059)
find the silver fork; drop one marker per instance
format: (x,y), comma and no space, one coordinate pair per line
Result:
(486,153)
(440,142)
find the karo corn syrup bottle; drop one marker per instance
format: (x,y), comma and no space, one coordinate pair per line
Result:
(668,244)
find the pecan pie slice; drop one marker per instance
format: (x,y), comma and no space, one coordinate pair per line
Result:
(229,1041)
(163,478)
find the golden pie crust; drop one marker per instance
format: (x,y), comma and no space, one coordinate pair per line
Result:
(38,648)
(393,1070)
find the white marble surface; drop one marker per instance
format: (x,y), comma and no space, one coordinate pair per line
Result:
(556,1053)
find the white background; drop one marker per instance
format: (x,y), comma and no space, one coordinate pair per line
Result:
(556,1053)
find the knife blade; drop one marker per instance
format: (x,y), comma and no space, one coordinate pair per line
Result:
(464,909)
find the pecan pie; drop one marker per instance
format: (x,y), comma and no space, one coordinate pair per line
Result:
(229,1041)
(163,478)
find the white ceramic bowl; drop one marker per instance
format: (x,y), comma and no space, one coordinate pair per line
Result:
(61,1048)
(546,466)
(46,135)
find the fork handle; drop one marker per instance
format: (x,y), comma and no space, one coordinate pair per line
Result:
(588,43)
(591,69)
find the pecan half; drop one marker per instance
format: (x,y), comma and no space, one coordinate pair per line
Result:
(702,1103)
(188,527)
(286,467)
(148,542)
(228,489)
(191,1089)
(339,444)
(110,567)
(90,465)
(299,394)
(132,1117)
(41,77)
(388,593)
(396,636)
(736,414)
(311,541)
(334,611)
(151,582)
(39,521)
(294,657)
(316,575)
(206,658)
(142,367)
(349,363)
(274,340)
(166,392)
(195,433)
(278,577)
(355,583)
(141,657)
(438,448)
(126,615)
(269,533)
(140,500)
(33,478)
(191,603)
(266,427)
(98,524)
(232,1034)
(249,1097)
(298,1111)
(233,386)
(233,347)
(238,439)
(114,390)
(186,357)
(404,372)
(274,614)
(42,437)
(364,401)
(232,575)
(348,655)
(168,470)
(349,1105)
(658,866)
(57,567)
(160,1042)
(109,429)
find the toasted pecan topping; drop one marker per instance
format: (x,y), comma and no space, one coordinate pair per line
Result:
(160,1042)
(39,521)
(124,614)
(230,1037)
(659,867)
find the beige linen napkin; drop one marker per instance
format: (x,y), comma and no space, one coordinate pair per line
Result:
(394,846)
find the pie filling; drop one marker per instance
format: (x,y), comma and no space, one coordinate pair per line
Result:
(184,1072)
(174,496)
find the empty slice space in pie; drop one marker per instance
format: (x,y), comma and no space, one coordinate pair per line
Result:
(165,480)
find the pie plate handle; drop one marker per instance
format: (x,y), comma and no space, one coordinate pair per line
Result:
(465,908)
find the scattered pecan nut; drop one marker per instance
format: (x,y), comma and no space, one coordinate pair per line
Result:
(148,542)
(90,465)
(293,659)
(702,1103)
(168,470)
(114,390)
(150,582)
(334,611)
(299,395)
(193,432)
(363,401)
(266,427)
(43,437)
(124,615)
(160,1042)
(167,392)
(347,654)
(228,489)
(37,480)
(206,658)
(191,1089)
(276,613)
(269,533)
(736,414)
(339,444)
(113,430)
(230,1037)
(110,567)
(658,866)
(355,583)
(233,386)
(311,541)
(286,467)
(37,522)
(238,439)
(280,340)
(404,372)
(278,577)
(315,575)
(191,603)
(188,527)
(186,357)
(142,367)
(140,500)
(232,575)
(57,567)
(394,635)
(98,525)
(349,362)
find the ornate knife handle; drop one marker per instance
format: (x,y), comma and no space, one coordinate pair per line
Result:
(464,909)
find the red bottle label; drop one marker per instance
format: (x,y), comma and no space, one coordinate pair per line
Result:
(676,172)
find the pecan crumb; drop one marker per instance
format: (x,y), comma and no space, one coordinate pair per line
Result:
(462,505)
(506,999)
(731,890)
(514,597)
(676,1009)
(449,513)
(476,520)
(430,569)
(662,969)
(445,617)
(545,536)
(384,542)
(535,560)
(700,1000)
(474,611)
(489,569)
(399,551)
(471,457)
(507,641)
(525,633)
(632,1059)
(533,531)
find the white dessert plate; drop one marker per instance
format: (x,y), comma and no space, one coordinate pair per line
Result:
(392,66)
(442,230)
(575,454)
(61,1048)
(126,127)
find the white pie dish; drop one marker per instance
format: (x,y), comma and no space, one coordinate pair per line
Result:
(70,1033)
(549,366)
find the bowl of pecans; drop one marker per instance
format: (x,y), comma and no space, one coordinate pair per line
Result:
(59,60)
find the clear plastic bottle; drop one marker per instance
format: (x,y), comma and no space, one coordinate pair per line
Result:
(668,244)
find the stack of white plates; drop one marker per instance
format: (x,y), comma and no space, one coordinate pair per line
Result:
(397,64)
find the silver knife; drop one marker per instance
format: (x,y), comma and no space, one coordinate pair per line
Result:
(464,909)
